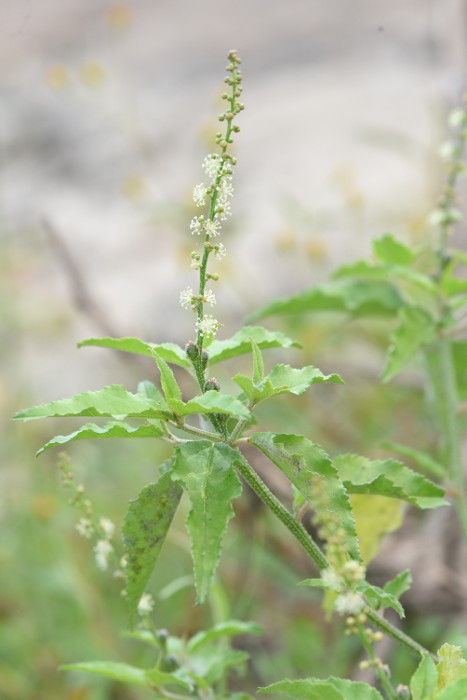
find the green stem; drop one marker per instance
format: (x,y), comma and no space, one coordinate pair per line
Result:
(313,550)
(395,633)
(268,498)
(443,380)
(196,431)
(376,663)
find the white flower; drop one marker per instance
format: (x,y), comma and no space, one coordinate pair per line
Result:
(456,118)
(349,604)
(208,325)
(211,166)
(219,251)
(447,150)
(107,527)
(212,228)
(226,190)
(197,225)
(146,604)
(199,194)
(209,297)
(84,527)
(332,579)
(353,571)
(102,552)
(186,299)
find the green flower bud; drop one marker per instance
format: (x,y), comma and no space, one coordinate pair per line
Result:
(211,385)
(204,359)
(170,663)
(192,350)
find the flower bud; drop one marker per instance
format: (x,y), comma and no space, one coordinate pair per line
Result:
(211,385)
(170,663)
(192,350)
(204,359)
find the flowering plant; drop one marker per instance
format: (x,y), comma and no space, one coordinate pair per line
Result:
(208,463)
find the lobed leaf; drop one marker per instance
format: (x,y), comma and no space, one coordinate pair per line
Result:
(359,298)
(422,459)
(210,402)
(258,364)
(310,470)
(451,667)
(283,379)
(416,328)
(389,250)
(379,598)
(223,629)
(424,681)
(205,470)
(160,678)
(113,401)
(168,382)
(389,478)
(375,516)
(144,530)
(240,343)
(456,691)
(112,669)
(399,584)
(170,352)
(115,429)
(329,689)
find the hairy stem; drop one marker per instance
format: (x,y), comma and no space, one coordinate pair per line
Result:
(313,550)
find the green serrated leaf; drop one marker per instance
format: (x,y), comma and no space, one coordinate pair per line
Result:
(309,468)
(422,459)
(112,669)
(161,678)
(258,364)
(389,250)
(416,328)
(150,391)
(375,516)
(424,681)
(399,584)
(379,598)
(359,298)
(112,401)
(240,343)
(170,352)
(206,471)
(114,429)
(456,691)
(209,663)
(451,667)
(229,628)
(210,402)
(284,379)
(329,689)
(144,530)
(168,382)
(389,478)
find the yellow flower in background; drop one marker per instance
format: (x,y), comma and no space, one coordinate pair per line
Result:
(92,74)
(57,77)
(119,16)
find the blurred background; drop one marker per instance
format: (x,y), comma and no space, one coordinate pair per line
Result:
(107,110)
